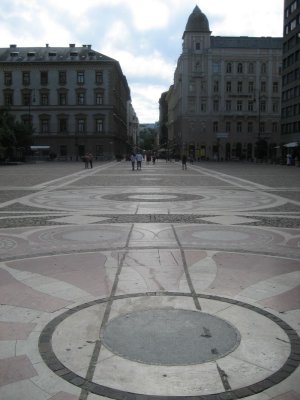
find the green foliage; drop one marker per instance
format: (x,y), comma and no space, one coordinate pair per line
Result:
(15,136)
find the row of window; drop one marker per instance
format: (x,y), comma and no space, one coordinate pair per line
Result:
(291,8)
(44,77)
(291,77)
(291,111)
(236,105)
(28,98)
(291,59)
(292,93)
(63,124)
(293,127)
(241,68)
(240,86)
(291,25)
(250,128)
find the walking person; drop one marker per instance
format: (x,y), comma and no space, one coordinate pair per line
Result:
(132,159)
(183,160)
(139,159)
(86,161)
(90,159)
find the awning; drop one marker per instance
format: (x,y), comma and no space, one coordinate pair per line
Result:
(39,147)
(292,144)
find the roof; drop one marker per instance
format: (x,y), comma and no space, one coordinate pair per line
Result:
(246,42)
(51,54)
(197,22)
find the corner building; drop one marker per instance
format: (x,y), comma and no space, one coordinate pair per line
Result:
(225,99)
(74,98)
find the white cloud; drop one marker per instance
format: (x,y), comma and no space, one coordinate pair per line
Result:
(149,15)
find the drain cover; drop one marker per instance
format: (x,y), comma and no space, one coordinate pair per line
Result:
(170,337)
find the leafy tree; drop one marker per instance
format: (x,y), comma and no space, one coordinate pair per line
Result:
(14,135)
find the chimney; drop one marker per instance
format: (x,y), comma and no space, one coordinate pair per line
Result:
(47,45)
(12,46)
(72,44)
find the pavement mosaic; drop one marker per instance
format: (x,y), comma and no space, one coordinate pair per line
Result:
(152,284)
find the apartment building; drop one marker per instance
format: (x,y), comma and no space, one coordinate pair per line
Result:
(225,101)
(74,98)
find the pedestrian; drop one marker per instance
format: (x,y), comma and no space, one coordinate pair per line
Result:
(183,160)
(139,159)
(132,159)
(90,159)
(86,160)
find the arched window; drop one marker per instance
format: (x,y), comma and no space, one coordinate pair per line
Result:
(240,68)
(229,68)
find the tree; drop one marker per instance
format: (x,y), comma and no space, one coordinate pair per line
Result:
(15,137)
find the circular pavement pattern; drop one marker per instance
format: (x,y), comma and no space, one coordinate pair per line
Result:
(170,337)
(287,368)
(152,197)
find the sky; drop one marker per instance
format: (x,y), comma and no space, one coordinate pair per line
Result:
(145,36)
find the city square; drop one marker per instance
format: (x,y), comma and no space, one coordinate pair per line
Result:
(160,283)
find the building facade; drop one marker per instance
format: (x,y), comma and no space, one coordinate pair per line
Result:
(225,102)
(75,99)
(291,73)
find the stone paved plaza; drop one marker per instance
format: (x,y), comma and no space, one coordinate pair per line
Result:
(152,284)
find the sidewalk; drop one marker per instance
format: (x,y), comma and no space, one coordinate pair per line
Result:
(152,284)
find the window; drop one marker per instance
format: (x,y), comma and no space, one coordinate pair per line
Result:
(44,77)
(240,68)
(26,78)
(239,127)
(44,99)
(262,127)
(250,127)
(215,126)
(275,107)
(81,125)
(99,99)
(216,86)
(8,98)
(216,105)
(228,105)
(99,125)
(274,127)
(62,99)
(62,77)
(275,87)
(45,125)
(228,87)
(80,98)
(250,105)
(215,67)
(80,77)
(99,77)
(263,86)
(26,100)
(263,68)
(250,87)
(228,126)
(229,68)
(251,68)
(239,105)
(7,78)
(262,105)
(240,87)
(203,107)
(62,125)
(197,46)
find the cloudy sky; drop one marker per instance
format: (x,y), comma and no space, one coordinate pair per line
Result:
(145,36)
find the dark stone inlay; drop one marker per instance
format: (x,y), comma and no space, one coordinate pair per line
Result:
(152,197)
(102,390)
(170,337)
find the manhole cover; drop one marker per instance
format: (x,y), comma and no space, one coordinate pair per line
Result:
(170,337)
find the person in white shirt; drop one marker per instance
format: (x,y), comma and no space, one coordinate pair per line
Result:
(139,159)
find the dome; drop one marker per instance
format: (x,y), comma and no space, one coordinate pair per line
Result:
(197,22)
